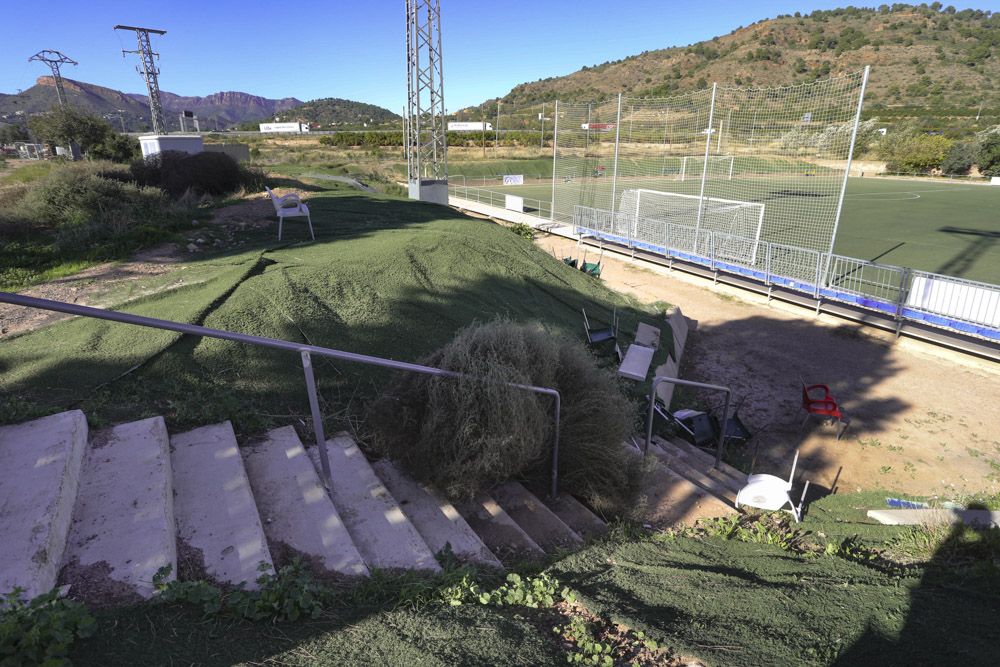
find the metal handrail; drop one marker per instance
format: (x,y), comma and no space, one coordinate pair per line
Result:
(688,383)
(306,351)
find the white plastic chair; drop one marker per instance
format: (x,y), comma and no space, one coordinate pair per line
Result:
(769,492)
(289,206)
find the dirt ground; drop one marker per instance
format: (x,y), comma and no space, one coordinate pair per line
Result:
(923,419)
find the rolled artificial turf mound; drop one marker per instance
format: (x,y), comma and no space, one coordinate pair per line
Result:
(464,435)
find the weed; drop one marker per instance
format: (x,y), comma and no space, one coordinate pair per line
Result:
(865,443)
(895,448)
(772,529)
(523,230)
(974,453)
(885,470)
(40,631)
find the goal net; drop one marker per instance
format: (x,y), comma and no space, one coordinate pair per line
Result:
(687,167)
(735,225)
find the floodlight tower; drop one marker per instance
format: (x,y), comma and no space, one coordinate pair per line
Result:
(426,140)
(149,71)
(55,59)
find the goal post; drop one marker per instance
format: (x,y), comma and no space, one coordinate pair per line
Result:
(737,225)
(719,167)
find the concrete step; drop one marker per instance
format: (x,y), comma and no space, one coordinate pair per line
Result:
(705,462)
(384,536)
(498,531)
(123,525)
(671,500)
(538,521)
(298,516)
(41,462)
(575,514)
(717,487)
(436,519)
(219,534)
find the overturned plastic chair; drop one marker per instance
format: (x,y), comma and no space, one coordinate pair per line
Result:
(769,492)
(290,206)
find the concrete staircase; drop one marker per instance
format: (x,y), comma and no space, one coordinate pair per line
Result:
(104,511)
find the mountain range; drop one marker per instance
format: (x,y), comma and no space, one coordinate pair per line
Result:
(216,111)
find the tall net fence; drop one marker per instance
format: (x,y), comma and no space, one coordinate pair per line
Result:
(777,157)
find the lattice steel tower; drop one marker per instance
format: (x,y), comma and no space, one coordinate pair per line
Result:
(55,59)
(426,140)
(149,71)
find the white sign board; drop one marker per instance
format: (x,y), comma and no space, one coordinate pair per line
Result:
(512,203)
(972,303)
(995,180)
(284,127)
(460,126)
(513,179)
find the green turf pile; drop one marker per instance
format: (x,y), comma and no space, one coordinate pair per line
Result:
(385,277)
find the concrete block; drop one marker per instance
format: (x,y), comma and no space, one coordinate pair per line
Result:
(546,529)
(383,535)
(298,516)
(40,464)
(436,519)
(498,531)
(635,365)
(217,521)
(647,335)
(936,517)
(123,527)
(665,390)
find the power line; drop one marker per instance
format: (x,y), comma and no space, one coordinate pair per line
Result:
(149,72)
(55,60)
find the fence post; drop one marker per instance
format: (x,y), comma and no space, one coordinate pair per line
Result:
(704,167)
(555,147)
(614,174)
(317,418)
(904,292)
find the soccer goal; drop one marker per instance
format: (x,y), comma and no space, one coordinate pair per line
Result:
(687,167)
(736,225)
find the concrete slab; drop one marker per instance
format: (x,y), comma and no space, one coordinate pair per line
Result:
(41,462)
(546,529)
(635,365)
(436,519)
(680,327)
(574,514)
(298,516)
(217,522)
(647,335)
(665,390)
(123,526)
(936,517)
(498,531)
(383,535)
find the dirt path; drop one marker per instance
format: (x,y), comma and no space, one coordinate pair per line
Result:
(923,419)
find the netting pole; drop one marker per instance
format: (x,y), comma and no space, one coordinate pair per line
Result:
(847,171)
(704,170)
(496,143)
(555,147)
(541,144)
(614,174)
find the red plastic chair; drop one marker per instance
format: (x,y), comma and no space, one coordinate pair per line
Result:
(824,406)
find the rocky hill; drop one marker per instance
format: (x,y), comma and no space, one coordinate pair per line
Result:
(228,107)
(926,57)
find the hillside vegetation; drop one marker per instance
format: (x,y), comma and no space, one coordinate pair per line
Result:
(922,57)
(336,111)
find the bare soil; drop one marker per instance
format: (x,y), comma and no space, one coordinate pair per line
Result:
(922,418)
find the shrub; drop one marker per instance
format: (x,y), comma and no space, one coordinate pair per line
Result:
(40,631)
(912,151)
(988,155)
(465,435)
(204,173)
(960,159)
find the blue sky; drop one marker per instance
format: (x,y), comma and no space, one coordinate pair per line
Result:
(355,49)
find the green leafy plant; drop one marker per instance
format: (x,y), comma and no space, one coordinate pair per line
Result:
(40,631)
(289,594)
(523,230)
(587,649)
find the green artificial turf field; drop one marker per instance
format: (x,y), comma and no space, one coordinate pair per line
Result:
(943,227)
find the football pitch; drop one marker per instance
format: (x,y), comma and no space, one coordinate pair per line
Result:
(944,227)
